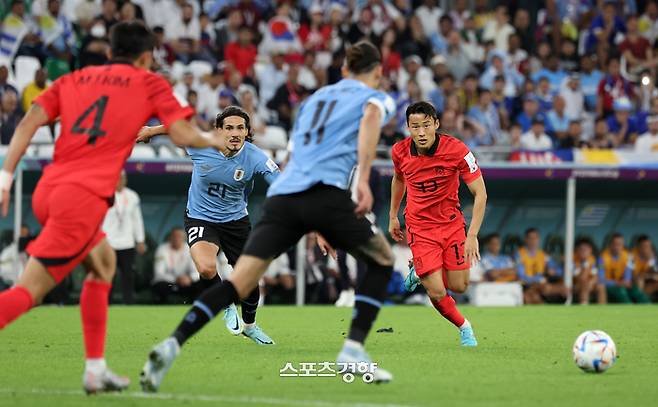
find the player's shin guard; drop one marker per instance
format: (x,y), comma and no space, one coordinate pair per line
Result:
(249,306)
(13,303)
(211,282)
(448,308)
(93,312)
(209,303)
(368,300)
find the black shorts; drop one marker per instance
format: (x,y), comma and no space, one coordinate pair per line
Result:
(229,236)
(322,208)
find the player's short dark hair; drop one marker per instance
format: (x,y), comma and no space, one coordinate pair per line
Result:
(129,40)
(362,57)
(234,111)
(616,235)
(493,236)
(423,108)
(531,230)
(642,238)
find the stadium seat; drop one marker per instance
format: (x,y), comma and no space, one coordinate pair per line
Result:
(25,68)
(200,68)
(42,136)
(177,70)
(141,152)
(166,152)
(45,151)
(31,151)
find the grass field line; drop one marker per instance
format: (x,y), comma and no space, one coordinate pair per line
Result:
(201,398)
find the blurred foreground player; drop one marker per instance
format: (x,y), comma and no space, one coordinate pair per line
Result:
(427,167)
(337,128)
(101,109)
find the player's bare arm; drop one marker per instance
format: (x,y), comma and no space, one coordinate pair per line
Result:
(369,132)
(471,247)
(183,134)
(398,189)
(146,133)
(35,118)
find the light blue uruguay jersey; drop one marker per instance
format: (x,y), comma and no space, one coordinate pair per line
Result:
(325,136)
(220,185)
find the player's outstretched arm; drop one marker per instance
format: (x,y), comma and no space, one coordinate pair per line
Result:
(479,191)
(184,134)
(369,132)
(398,189)
(35,118)
(146,133)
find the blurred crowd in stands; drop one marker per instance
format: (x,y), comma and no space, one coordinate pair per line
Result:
(520,74)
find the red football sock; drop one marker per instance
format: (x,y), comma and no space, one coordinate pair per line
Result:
(13,303)
(93,310)
(448,308)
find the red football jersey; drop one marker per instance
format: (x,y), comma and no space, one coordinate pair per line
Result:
(432,180)
(101,110)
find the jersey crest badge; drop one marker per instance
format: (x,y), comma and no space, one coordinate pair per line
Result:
(238,174)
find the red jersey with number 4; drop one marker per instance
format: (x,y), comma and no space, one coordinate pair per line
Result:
(432,180)
(101,110)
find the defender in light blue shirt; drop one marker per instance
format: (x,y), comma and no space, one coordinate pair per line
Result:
(324,138)
(337,128)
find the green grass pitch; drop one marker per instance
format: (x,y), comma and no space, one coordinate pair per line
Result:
(524,359)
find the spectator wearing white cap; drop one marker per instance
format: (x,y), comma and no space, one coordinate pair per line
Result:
(647,143)
(413,69)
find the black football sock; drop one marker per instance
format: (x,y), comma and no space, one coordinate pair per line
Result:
(210,282)
(249,306)
(368,300)
(204,309)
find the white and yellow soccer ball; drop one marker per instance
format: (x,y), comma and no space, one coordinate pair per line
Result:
(594,351)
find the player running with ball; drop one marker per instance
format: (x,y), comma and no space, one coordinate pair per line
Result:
(427,167)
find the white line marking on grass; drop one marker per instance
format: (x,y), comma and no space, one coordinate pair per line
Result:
(201,398)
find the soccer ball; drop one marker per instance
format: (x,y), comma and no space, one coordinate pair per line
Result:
(594,351)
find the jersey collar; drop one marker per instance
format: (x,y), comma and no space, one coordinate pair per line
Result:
(430,152)
(234,155)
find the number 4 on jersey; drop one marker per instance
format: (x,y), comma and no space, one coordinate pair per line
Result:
(95,131)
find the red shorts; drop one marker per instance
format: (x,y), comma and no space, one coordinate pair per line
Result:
(437,249)
(72,218)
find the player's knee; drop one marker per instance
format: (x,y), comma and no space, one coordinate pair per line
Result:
(459,287)
(437,294)
(207,271)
